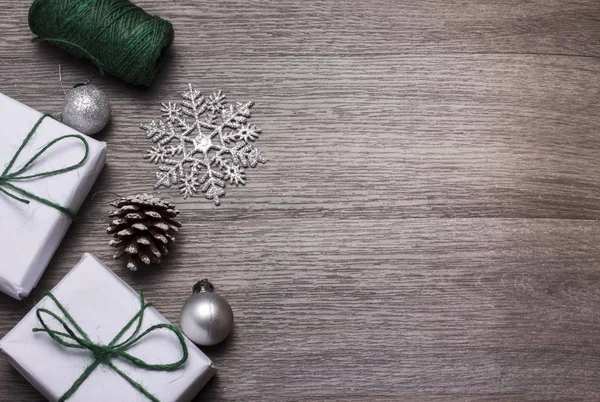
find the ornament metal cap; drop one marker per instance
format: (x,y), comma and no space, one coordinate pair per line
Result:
(203,286)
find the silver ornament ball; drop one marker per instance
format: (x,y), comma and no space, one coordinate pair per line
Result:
(206,318)
(86,109)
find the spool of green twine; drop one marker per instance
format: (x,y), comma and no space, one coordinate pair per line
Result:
(117,36)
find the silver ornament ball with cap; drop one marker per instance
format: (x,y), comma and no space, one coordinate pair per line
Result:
(206,318)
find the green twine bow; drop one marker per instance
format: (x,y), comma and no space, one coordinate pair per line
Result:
(115,349)
(6,178)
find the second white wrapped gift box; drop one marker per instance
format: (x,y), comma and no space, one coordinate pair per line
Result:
(101,305)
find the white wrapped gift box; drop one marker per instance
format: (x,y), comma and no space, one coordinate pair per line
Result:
(30,233)
(102,304)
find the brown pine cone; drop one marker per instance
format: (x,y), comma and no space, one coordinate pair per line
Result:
(144,228)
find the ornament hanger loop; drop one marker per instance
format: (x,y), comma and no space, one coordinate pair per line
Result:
(79,84)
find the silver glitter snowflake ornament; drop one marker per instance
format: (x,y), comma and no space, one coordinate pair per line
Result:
(203,143)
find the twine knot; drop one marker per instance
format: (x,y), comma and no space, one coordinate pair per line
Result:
(7,177)
(74,337)
(103,353)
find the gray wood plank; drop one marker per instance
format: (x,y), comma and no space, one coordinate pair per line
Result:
(245,28)
(382,307)
(517,139)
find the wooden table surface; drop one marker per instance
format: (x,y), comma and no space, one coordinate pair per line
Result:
(426,224)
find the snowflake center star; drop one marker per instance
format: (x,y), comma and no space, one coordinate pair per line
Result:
(203,143)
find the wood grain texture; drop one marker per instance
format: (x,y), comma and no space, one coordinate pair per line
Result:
(426,225)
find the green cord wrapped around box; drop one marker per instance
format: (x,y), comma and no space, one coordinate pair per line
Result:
(117,36)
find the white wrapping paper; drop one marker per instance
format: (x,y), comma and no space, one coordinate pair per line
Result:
(31,233)
(102,304)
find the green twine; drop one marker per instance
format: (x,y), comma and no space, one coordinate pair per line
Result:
(7,177)
(117,36)
(115,349)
